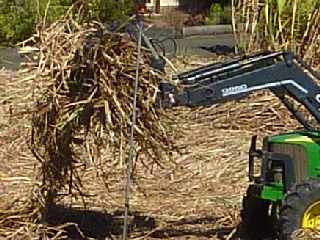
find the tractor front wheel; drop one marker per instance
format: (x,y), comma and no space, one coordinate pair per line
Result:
(300,208)
(256,220)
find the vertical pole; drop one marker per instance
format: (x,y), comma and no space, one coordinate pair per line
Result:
(157,6)
(131,139)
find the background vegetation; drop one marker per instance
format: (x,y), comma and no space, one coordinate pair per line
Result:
(219,14)
(19,18)
(279,24)
(203,5)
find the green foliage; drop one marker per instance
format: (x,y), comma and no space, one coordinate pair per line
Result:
(111,10)
(216,8)
(218,14)
(215,14)
(18,18)
(15,20)
(52,9)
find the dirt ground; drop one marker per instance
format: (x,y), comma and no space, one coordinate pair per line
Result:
(198,197)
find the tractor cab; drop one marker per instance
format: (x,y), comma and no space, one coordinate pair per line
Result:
(285,196)
(285,160)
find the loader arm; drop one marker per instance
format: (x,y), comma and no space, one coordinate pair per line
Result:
(280,72)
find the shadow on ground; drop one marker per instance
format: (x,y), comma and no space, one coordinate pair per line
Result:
(94,224)
(99,225)
(195,227)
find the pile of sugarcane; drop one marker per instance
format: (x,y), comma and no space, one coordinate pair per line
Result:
(84,87)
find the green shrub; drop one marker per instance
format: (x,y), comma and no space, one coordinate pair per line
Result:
(18,18)
(111,10)
(219,14)
(215,14)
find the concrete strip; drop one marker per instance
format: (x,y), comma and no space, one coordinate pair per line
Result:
(206,30)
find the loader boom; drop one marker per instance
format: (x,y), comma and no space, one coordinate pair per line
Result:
(280,72)
(284,195)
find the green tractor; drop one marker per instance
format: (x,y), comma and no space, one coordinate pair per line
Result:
(284,195)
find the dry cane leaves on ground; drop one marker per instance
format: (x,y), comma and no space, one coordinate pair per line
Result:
(83,89)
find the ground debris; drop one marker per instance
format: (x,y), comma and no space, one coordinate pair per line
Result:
(197,197)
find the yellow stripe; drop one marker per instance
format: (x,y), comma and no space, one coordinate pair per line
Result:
(300,139)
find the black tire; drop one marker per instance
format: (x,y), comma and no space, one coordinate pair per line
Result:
(296,202)
(257,223)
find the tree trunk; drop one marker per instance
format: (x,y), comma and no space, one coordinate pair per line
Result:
(157,7)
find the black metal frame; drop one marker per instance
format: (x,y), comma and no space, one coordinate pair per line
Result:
(280,72)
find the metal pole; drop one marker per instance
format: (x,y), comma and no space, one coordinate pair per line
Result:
(131,139)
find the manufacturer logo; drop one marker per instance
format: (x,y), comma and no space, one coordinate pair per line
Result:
(234,90)
(318,97)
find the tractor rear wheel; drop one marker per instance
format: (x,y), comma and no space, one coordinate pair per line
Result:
(256,220)
(300,208)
